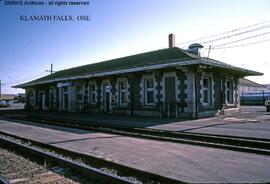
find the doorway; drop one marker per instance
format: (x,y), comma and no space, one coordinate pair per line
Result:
(170,96)
(106,96)
(65,98)
(42,99)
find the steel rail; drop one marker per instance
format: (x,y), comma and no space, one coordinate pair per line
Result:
(83,169)
(224,142)
(125,170)
(3,180)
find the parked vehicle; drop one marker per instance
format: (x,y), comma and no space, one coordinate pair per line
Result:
(3,103)
(267,104)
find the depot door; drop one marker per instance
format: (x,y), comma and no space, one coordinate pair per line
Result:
(40,97)
(170,96)
(106,97)
(65,101)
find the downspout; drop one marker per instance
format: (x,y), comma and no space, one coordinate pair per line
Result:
(131,88)
(196,96)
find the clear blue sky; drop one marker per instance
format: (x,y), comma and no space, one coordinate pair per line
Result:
(119,28)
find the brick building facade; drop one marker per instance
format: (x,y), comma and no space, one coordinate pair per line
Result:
(168,83)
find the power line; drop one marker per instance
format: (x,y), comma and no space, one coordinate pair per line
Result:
(9,76)
(237,34)
(226,32)
(241,45)
(15,69)
(25,80)
(250,37)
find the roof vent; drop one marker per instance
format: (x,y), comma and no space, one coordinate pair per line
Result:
(195,48)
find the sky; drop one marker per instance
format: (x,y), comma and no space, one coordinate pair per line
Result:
(124,27)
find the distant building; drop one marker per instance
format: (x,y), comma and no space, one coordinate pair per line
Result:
(252,93)
(267,86)
(248,86)
(7,97)
(171,82)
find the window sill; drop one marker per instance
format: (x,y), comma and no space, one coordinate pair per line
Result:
(206,104)
(148,106)
(230,105)
(123,105)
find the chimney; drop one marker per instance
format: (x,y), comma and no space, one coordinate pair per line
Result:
(171,40)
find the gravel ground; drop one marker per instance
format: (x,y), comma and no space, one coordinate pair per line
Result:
(61,171)
(19,170)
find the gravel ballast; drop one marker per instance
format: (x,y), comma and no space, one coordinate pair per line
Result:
(17,169)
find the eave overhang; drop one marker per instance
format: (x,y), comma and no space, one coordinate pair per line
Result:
(171,63)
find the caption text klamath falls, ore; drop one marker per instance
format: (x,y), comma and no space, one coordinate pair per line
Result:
(52,18)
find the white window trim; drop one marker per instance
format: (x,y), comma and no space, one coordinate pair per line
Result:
(119,91)
(90,92)
(232,91)
(52,91)
(104,82)
(210,89)
(32,99)
(148,77)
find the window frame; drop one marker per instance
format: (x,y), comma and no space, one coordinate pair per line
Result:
(146,90)
(208,89)
(122,91)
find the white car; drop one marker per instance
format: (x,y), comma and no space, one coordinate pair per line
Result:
(3,103)
(267,104)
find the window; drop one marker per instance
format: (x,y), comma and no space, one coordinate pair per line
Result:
(229,91)
(92,92)
(206,91)
(123,92)
(79,93)
(149,91)
(65,89)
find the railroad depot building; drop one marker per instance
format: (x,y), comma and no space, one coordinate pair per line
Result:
(171,82)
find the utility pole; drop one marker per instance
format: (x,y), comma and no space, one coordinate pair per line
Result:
(51,70)
(209,49)
(1,88)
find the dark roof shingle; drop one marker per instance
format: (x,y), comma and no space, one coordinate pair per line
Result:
(164,56)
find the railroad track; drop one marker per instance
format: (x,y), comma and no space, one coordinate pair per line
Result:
(57,160)
(79,163)
(16,169)
(254,145)
(3,180)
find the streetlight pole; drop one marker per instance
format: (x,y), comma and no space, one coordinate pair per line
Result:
(1,88)
(263,95)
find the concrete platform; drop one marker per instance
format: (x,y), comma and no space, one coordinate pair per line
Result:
(253,121)
(194,164)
